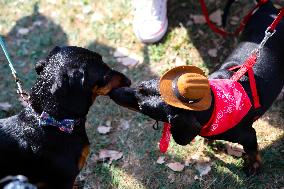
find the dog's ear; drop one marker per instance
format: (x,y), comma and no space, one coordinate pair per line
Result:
(39,66)
(184,130)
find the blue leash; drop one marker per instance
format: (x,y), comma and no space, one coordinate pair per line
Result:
(25,96)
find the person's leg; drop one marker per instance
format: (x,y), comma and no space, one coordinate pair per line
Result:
(150,20)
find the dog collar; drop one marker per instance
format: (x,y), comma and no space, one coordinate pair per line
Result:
(64,125)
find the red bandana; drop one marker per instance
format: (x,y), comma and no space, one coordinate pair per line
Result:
(231,105)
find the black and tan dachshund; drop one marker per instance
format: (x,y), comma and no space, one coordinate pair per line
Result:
(269,76)
(47,142)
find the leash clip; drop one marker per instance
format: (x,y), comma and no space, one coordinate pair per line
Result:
(156,125)
(268,34)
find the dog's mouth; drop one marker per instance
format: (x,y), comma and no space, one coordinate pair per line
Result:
(113,80)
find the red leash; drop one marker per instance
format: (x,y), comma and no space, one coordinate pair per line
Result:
(246,67)
(251,60)
(222,31)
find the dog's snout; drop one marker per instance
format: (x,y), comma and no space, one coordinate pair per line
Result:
(123,81)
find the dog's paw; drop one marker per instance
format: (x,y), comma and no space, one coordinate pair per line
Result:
(253,165)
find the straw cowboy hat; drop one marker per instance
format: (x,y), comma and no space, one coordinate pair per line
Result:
(186,87)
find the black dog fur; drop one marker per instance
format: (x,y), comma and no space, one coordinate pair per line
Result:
(69,80)
(269,75)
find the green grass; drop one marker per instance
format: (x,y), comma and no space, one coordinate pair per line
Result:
(106,27)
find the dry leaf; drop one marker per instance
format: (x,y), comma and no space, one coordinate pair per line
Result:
(171,178)
(177,167)
(216,17)
(88,125)
(103,129)
(161,160)
(124,124)
(212,52)
(235,150)
(108,123)
(189,23)
(203,168)
(5,106)
(198,19)
(121,52)
(234,20)
(130,60)
(110,154)
(23,31)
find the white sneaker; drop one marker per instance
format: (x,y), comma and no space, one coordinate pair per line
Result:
(150,20)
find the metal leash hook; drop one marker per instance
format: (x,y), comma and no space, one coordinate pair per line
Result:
(267,35)
(156,125)
(24,95)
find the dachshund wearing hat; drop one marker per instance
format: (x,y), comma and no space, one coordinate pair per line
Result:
(218,107)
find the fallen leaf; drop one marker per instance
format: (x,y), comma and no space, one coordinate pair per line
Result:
(103,129)
(23,31)
(212,52)
(124,124)
(5,106)
(121,52)
(234,150)
(216,17)
(189,23)
(88,125)
(161,160)
(234,20)
(108,123)
(198,19)
(171,178)
(186,163)
(37,23)
(112,155)
(177,167)
(130,61)
(203,168)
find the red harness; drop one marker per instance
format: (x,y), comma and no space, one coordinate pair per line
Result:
(246,67)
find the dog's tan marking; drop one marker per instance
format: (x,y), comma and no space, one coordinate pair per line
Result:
(84,155)
(94,91)
(114,83)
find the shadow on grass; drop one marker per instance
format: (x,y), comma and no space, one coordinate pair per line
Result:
(31,38)
(139,142)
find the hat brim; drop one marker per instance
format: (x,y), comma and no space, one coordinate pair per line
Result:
(170,98)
